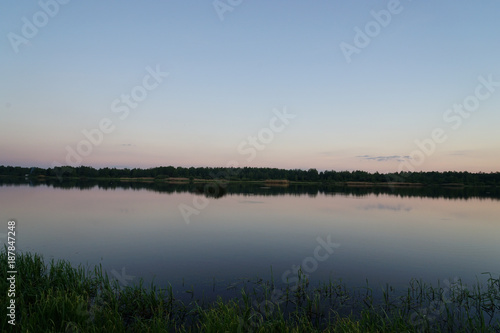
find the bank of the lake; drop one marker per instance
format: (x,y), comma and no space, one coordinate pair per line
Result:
(194,174)
(57,297)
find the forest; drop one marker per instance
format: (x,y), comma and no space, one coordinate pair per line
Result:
(255,174)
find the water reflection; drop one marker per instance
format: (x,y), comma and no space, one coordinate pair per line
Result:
(395,208)
(385,235)
(218,190)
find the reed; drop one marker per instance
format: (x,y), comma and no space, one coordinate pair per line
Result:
(54,296)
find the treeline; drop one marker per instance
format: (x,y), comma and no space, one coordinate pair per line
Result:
(258,174)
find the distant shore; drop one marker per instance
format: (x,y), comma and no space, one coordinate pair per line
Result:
(269,176)
(267,182)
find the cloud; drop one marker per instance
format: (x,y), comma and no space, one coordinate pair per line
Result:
(459,152)
(328,153)
(398,158)
(126,144)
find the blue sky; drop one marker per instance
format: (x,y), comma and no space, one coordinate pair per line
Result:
(228,77)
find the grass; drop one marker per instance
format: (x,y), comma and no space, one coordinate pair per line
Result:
(56,297)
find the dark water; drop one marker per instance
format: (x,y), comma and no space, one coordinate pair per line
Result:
(137,230)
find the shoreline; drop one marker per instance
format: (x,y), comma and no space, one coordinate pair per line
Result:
(267,182)
(55,295)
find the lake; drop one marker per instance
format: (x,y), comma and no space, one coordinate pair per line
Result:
(250,231)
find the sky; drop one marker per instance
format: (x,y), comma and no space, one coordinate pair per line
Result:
(334,85)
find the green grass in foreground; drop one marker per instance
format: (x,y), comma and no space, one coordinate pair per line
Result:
(56,297)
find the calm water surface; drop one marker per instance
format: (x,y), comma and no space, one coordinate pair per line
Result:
(140,233)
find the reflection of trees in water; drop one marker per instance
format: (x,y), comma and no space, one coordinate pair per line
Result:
(218,190)
(211,190)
